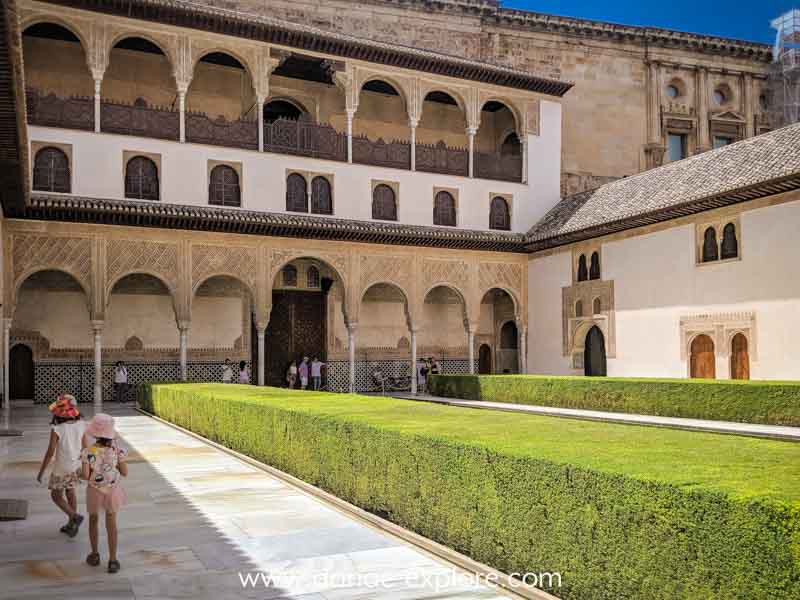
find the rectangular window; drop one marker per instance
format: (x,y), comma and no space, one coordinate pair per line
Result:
(720,141)
(676,146)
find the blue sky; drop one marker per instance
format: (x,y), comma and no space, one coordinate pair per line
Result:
(742,19)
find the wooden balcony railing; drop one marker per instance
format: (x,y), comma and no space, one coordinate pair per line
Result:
(76,112)
(144,121)
(504,167)
(305,138)
(395,154)
(239,133)
(441,158)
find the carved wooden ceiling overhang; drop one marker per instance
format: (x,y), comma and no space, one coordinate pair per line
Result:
(181,13)
(13,133)
(206,218)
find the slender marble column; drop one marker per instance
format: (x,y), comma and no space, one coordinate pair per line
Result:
(522,351)
(183,328)
(6,363)
(97,328)
(97,85)
(471,131)
(262,348)
(524,141)
(260,116)
(350,114)
(471,350)
(413,361)
(182,109)
(412,123)
(351,348)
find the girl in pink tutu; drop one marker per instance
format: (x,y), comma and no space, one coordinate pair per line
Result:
(103,466)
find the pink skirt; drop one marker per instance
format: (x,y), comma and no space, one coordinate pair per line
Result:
(97,501)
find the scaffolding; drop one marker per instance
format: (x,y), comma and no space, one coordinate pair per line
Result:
(784,77)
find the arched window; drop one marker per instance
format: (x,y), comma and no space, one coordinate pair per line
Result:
(508,336)
(730,245)
(499,215)
(223,187)
(141,179)
(140,103)
(582,273)
(321,197)
(594,268)
(296,193)
(511,145)
(289,276)
(51,171)
(579,309)
(312,277)
(597,306)
(710,249)
(444,209)
(384,204)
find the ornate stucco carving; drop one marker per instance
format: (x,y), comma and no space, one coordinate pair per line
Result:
(159,259)
(577,319)
(721,328)
(35,252)
(507,276)
(386,269)
(239,262)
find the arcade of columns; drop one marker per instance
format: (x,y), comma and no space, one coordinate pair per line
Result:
(97,257)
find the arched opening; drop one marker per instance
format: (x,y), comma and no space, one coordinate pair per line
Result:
(702,358)
(223,187)
(442,334)
(594,268)
(497,316)
(484,359)
(444,209)
(740,357)
(296,193)
(282,109)
(59,87)
(380,128)
(730,245)
(384,203)
(383,338)
(583,273)
(139,94)
(307,321)
(221,103)
(222,326)
(499,214)
(597,306)
(51,172)
(21,373)
(710,248)
(579,309)
(498,149)
(321,196)
(141,179)
(594,353)
(51,317)
(441,136)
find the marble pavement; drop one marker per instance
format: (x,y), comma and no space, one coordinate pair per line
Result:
(197,519)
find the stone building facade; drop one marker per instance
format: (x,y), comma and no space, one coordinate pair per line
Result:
(622,109)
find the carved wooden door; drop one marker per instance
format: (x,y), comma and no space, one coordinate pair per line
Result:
(740,358)
(21,373)
(296,329)
(702,358)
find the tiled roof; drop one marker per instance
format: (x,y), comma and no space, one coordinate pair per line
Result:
(231,220)
(756,167)
(197,15)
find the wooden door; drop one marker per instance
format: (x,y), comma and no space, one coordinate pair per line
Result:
(484,359)
(21,373)
(740,358)
(296,329)
(594,353)
(702,358)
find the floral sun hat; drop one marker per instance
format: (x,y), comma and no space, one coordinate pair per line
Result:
(65,407)
(102,426)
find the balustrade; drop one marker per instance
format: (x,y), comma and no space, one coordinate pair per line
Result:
(304,138)
(238,133)
(76,112)
(504,167)
(141,120)
(441,158)
(395,154)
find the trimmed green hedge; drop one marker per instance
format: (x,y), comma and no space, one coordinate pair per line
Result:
(622,512)
(767,402)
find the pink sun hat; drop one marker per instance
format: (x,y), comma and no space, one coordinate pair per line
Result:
(101,426)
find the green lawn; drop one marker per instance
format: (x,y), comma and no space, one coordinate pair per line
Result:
(738,466)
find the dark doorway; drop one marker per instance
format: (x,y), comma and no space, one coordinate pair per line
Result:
(740,358)
(296,329)
(484,359)
(594,353)
(21,373)
(702,361)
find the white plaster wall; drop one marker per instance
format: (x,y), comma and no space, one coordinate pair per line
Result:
(546,276)
(98,172)
(657,281)
(61,317)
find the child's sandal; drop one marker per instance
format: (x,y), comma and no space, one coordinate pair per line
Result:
(93,559)
(113,566)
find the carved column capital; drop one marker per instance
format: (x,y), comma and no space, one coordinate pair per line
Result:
(97,326)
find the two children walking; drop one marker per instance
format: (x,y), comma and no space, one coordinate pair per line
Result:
(86,452)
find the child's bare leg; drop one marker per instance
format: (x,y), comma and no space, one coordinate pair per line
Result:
(111,530)
(72,500)
(93,518)
(61,502)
